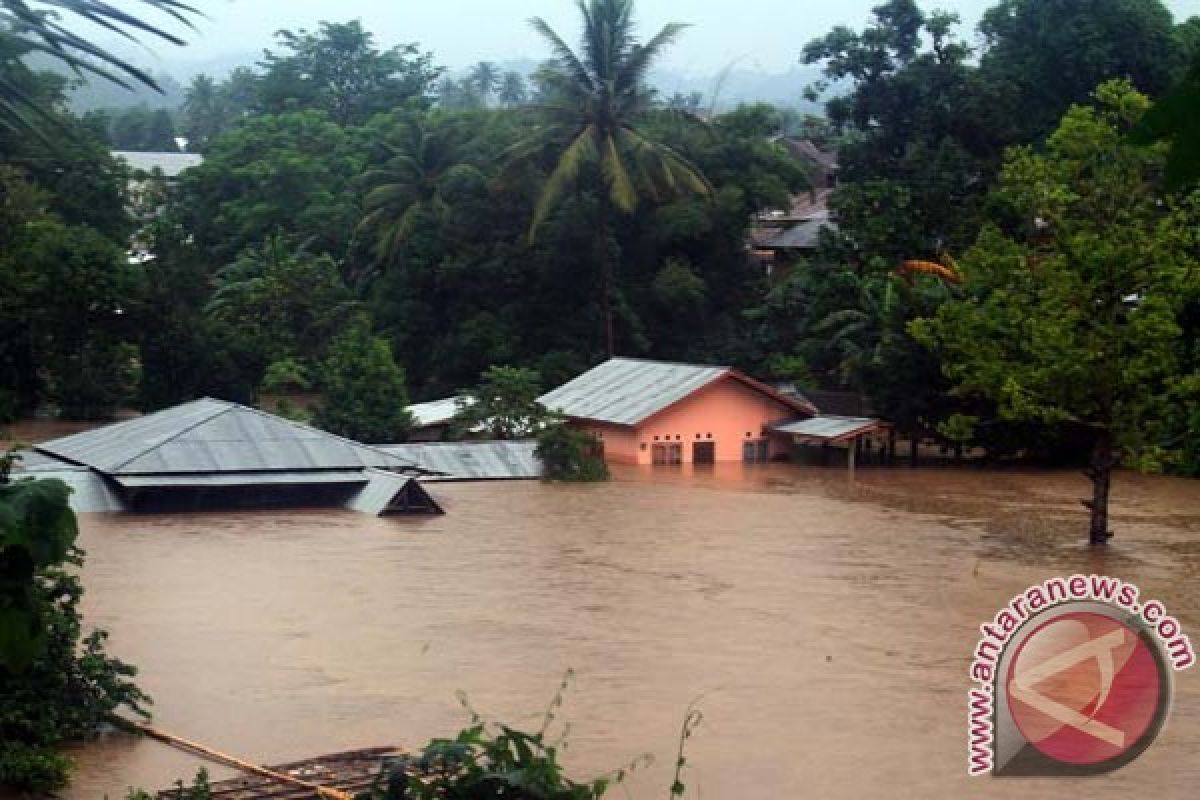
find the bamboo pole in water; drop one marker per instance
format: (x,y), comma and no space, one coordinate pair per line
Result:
(324,792)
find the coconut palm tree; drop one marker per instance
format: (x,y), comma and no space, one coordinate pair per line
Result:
(512,91)
(424,159)
(484,78)
(42,27)
(595,100)
(203,111)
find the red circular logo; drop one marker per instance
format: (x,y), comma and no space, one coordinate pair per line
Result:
(1085,688)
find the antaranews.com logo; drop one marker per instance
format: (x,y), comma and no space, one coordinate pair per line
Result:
(1073,677)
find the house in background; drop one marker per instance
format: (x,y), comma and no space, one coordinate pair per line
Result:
(781,237)
(432,420)
(657,412)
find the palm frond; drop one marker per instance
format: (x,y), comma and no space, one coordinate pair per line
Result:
(581,151)
(620,187)
(635,69)
(565,55)
(42,30)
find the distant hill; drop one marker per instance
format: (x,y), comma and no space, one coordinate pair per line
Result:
(729,89)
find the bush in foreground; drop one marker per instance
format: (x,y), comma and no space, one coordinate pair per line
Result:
(57,683)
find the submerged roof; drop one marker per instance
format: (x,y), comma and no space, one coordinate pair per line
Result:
(213,436)
(627,391)
(472,460)
(830,428)
(387,492)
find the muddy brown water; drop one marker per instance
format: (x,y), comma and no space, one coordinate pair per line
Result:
(824,627)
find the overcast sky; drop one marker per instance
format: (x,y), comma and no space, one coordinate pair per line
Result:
(757,34)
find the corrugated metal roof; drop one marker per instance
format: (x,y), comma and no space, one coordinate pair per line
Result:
(804,235)
(90,493)
(210,435)
(625,391)
(177,481)
(171,164)
(434,412)
(472,460)
(387,491)
(33,461)
(828,427)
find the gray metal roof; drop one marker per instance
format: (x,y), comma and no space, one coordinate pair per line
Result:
(387,491)
(804,235)
(830,428)
(176,481)
(170,164)
(90,493)
(434,412)
(211,436)
(472,460)
(625,391)
(33,461)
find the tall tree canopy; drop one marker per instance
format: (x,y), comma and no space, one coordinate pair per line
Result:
(339,70)
(1073,312)
(598,97)
(1048,54)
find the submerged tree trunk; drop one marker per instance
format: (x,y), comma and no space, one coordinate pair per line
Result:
(1099,471)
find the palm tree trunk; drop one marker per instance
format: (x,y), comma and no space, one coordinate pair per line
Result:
(1100,474)
(604,254)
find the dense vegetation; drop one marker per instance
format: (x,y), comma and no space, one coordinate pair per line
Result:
(542,221)
(57,681)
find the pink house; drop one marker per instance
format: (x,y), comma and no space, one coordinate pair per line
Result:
(655,412)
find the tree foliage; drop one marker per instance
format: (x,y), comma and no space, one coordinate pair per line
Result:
(1073,315)
(504,405)
(365,397)
(58,684)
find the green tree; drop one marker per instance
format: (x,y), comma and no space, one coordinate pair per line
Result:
(504,404)
(570,455)
(204,112)
(339,70)
(598,99)
(58,684)
(365,397)
(485,78)
(1176,120)
(1048,54)
(292,174)
(278,302)
(423,162)
(512,91)
(1072,316)
(924,137)
(68,302)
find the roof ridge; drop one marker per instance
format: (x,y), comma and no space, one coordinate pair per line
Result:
(302,426)
(229,406)
(663,361)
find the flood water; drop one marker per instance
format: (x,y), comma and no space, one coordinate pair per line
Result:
(823,627)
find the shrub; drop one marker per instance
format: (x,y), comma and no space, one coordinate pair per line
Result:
(58,684)
(570,455)
(286,376)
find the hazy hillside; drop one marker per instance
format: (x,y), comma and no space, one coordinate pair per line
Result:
(736,86)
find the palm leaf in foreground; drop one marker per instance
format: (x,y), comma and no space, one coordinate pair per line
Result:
(43,27)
